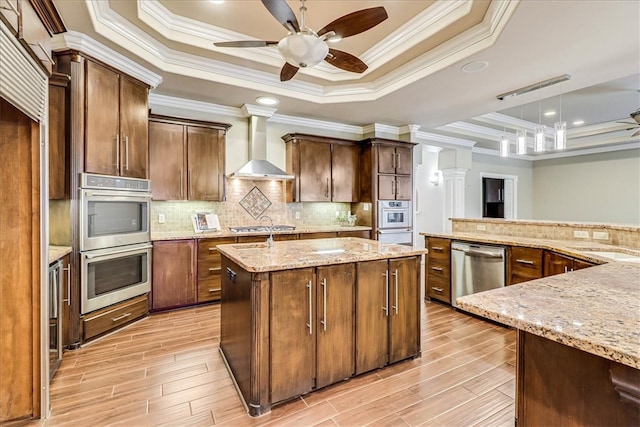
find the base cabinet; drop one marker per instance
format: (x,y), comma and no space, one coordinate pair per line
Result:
(555,263)
(112,317)
(209,281)
(524,264)
(173,280)
(387,312)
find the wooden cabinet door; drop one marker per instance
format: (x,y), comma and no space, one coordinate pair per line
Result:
(556,264)
(404,310)
(58,147)
(344,173)
(335,337)
(315,172)
(292,334)
(134,135)
(173,282)
(102,138)
(372,315)
(386,159)
(167,168)
(404,161)
(386,187)
(205,160)
(403,187)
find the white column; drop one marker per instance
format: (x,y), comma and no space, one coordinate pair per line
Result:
(454,189)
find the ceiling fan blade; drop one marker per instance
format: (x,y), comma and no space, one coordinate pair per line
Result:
(635,134)
(287,72)
(283,13)
(345,61)
(246,43)
(356,22)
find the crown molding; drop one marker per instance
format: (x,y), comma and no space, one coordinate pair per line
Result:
(85,44)
(156,100)
(449,141)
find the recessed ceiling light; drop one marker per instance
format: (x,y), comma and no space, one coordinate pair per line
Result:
(267,100)
(549,113)
(578,122)
(475,66)
(216,1)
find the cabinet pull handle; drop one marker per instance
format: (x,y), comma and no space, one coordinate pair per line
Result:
(393,187)
(215,268)
(436,268)
(126,153)
(181,186)
(323,322)
(44,51)
(393,160)
(211,290)
(397,160)
(213,249)
(11,7)
(68,299)
(117,164)
(386,292)
(310,324)
(437,248)
(436,289)
(190,184)
(395,275)
(327,193)
(524,261)
(124,316)
(566,268)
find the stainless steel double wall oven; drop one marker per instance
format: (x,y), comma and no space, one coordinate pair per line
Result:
(115,239)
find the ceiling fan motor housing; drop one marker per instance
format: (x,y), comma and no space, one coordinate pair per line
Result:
(303,49)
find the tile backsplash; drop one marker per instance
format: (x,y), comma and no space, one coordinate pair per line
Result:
(177,214)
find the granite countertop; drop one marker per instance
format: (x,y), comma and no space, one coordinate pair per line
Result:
(57,252)
(189,234)
(596,309)
(574,248)
(582,224)
(258,257)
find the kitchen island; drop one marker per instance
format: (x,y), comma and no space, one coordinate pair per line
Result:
(300,315)
(578,344)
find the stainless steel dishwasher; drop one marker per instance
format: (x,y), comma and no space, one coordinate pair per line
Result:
(475,268)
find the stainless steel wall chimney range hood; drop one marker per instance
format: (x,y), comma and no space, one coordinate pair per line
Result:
(258,167)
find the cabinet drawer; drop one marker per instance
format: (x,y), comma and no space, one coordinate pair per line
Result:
(209,289)
(208,248)
(438,268)
(319,235)
(439,288)
(524,264)
(209,268)
(439,249)
(112,317)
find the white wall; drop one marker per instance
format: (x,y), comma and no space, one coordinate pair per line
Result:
(504,166)
(430,198)
(597,187)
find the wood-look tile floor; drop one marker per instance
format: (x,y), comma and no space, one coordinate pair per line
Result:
(166,371)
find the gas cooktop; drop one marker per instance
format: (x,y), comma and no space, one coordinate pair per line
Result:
(254,228)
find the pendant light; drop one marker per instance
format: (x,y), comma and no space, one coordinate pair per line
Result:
(521,144)
(538,135)
(560,139)
(504,146)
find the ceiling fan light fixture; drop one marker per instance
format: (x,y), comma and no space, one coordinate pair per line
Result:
(303,49)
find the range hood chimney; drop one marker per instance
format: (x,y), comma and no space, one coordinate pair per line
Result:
(258,167)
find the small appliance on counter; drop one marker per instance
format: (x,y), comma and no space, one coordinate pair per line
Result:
(205,221)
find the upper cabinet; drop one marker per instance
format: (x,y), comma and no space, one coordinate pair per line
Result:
(59,149)
(186,159)
(387,170)
(325,169)
(116,135)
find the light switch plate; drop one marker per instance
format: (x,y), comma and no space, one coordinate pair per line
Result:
(297,214)
(580,234)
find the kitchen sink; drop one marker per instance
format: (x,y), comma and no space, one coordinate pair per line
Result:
(616,256)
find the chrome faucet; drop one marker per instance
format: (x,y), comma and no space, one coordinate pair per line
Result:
(270,239)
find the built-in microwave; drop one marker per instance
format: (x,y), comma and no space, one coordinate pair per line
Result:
(394,214)
(112,275)
(114,211)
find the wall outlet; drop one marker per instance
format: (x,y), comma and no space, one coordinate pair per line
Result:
(160,218)
(337,214)
(601,235)
(365,207)
(580,234)
(481,227)
(297,214)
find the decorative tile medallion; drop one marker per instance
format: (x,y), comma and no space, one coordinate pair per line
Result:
(255,202)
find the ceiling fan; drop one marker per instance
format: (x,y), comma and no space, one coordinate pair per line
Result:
(636,123)
(303,47)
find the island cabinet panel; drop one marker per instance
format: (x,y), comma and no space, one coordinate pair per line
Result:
(404,313)
(292,334)
(372,315)
(335,336)
(573,387)
(524,264)
(173,282)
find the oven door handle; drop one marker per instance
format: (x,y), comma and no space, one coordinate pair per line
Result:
(92,256)
(118,194)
